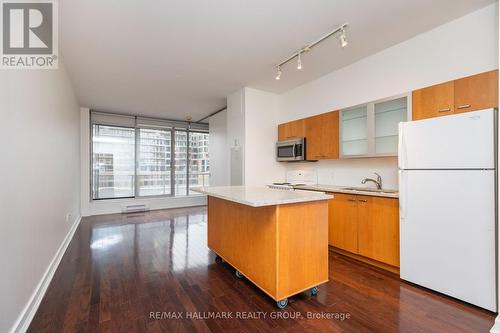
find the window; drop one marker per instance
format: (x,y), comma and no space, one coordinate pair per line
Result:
(171,158)
(181,162)
(154,165)
(199,168)
(113,162)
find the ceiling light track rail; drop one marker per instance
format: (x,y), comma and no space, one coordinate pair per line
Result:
(343,42)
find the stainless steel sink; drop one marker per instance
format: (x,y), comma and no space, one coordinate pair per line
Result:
(365,189)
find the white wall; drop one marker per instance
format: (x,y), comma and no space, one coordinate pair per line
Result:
(236,136)
(39,196)
(261,117)
(466,46)
(219,157)
(111,206)
(236,119)
(251,119)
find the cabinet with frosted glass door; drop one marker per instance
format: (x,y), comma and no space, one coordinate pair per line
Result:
(371,129)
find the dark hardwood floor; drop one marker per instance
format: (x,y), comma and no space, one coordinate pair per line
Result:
(119,269)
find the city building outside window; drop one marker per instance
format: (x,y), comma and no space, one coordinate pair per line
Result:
(154,164)
(113,162)
(199,168)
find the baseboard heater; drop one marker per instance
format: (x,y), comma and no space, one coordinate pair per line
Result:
(135,208)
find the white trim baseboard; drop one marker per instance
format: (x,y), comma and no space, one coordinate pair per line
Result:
(23,321)
(496,326)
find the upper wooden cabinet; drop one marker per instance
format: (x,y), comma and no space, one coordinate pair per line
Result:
(476,92)
(471,93)
(433,101)
(292,129)
(321,133)
(322,136)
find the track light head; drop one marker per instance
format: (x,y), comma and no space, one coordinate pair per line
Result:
(343,38)
(299,61)
(278,74)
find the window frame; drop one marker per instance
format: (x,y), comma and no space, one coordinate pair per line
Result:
(137,128)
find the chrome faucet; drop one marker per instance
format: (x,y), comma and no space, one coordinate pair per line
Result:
(378,182)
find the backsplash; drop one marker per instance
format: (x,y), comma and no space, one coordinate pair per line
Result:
(350,172)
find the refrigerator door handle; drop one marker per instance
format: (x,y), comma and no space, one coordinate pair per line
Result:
(401,146)
(403,191)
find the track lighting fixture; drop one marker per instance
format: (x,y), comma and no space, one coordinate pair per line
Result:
(343,38)
(278,74)
(298,54)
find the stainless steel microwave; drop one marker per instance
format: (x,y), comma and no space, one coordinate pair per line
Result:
(291,150)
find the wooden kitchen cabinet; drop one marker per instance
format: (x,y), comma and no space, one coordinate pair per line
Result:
(322,136)
(470,93)
(378,229)
(476,92)
(343,222)
(366,228)
(434,101)
(292,129)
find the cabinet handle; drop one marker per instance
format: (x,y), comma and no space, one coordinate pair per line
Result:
(352,200)
(445,110)
(363,200)
(465,106)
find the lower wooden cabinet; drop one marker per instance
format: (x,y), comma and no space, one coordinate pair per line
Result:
(378,229)
(367,226)
(343,222)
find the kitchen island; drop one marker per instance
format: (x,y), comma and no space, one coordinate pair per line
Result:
(276,239)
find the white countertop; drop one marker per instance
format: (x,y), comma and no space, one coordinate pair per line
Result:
(261,196)
(342,189)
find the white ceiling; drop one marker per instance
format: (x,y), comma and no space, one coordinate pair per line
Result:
(174,59)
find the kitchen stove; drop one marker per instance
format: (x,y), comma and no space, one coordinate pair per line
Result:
(284,186)
(296,178)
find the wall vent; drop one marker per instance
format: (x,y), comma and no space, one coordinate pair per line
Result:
(134,208)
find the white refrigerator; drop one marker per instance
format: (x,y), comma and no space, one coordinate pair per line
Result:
(447,176)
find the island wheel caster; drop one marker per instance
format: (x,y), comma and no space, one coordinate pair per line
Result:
(238,275)
(314,291)
(218,259)
(282,304)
